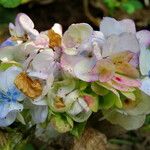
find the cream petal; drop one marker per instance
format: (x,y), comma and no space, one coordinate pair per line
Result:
(128,122)
(74,36)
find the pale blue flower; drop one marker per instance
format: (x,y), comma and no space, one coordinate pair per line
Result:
(9,96)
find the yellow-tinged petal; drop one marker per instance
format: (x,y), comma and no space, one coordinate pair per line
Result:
(106,70)
(127,69)
(119,58)
(129,104)
(54,39)
(121,62)
(31,88)
(59,102)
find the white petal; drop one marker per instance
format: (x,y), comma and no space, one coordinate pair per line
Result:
(7,78)
(8,107)
(57,28)
(40,101)
(128,25)
(68,63)
(145,87)
(83,70)
(123,42)
(8,120)
(71,97)
(76,109)
(110,26)
(43,62)
(39,113)
(144,37)
(143,61)
(24,21)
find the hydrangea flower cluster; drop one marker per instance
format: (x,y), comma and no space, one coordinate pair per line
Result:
(59,80)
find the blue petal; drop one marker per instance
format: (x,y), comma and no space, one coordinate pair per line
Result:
(8,42)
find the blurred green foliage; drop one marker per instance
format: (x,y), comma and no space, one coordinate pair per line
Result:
(129,6)
(12,3)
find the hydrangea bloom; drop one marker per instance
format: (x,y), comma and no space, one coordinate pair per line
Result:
(64,78)
(10,96)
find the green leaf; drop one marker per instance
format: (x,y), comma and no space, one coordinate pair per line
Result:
(5,65)
(112,4)
(129,95)
(21,118)
(82,85)
(10,3)
(99,90)
(107,102)
(78,129)
(62,123)
(110,100)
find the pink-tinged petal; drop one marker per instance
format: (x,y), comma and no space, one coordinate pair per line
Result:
(83,70)
(105,69)
(92,102)
(42,41)
(120,87)
(120,79)
(144,37)
(124,42)
(127,69)
(110,26)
